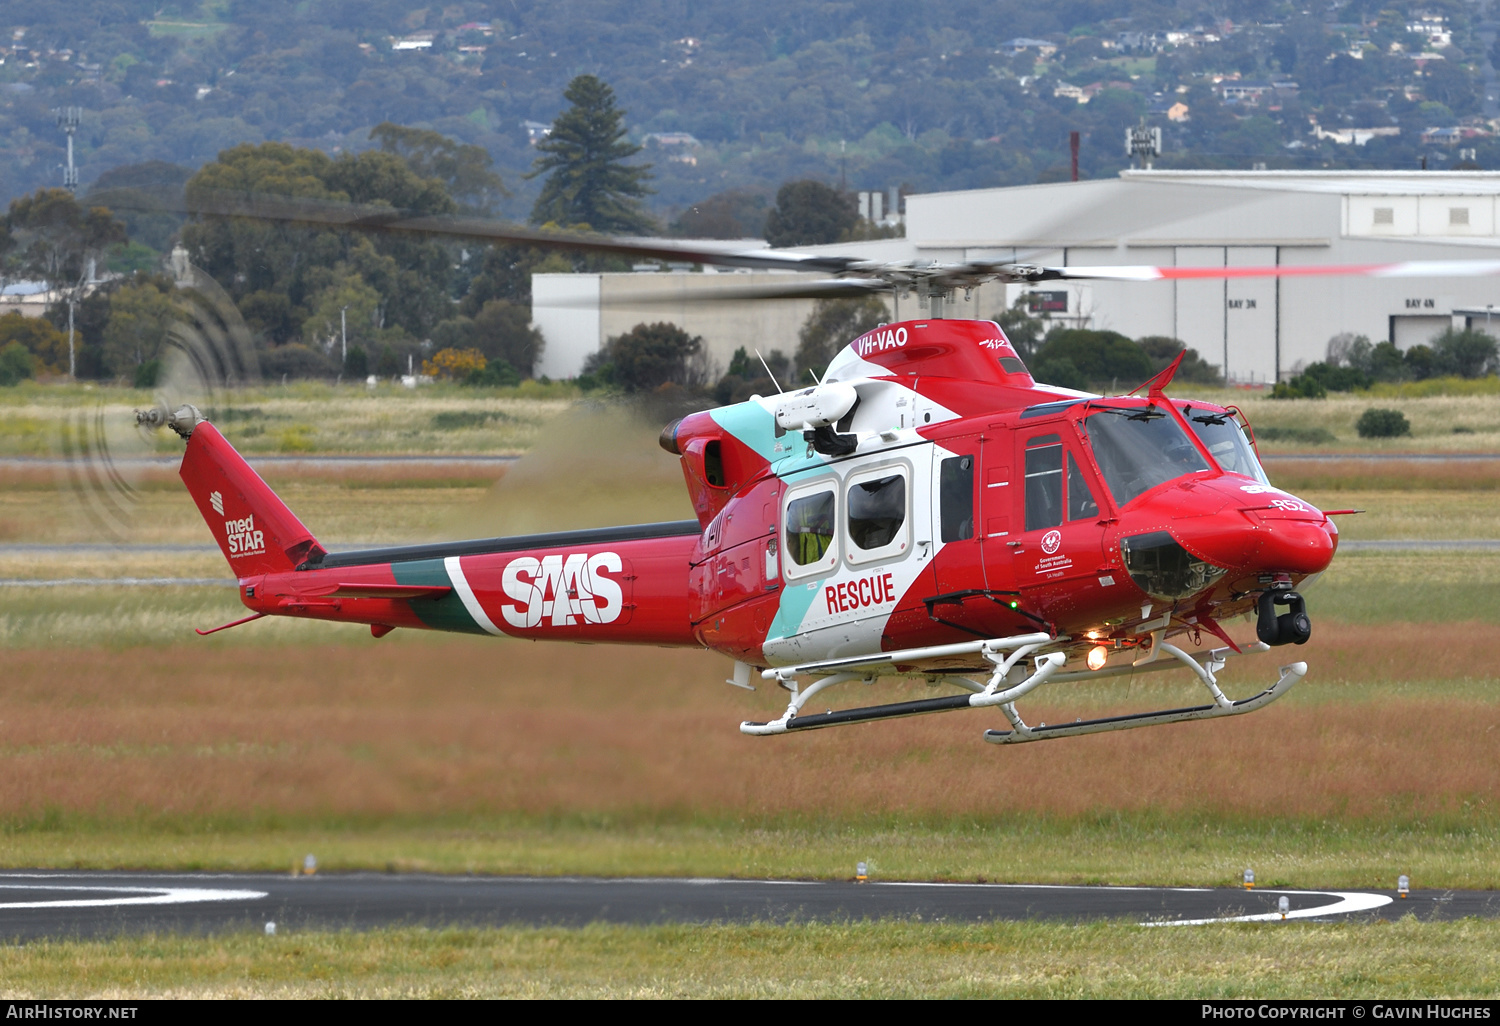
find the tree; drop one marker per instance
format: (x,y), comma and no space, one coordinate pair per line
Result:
(588,181)
(349,305)
(38,337)
(146,196)
(809,213)
(1194,369)
(140,315)
(250,257)
(647,357)
(1106,357)
(463,170)
(832,325)
(1023,330)
(54,239)
(1469,353)
(16,364)
(732,214)
(503,332)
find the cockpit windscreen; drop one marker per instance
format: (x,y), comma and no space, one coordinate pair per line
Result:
(1140,447)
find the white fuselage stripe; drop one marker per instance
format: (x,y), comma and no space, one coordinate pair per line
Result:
(466,594)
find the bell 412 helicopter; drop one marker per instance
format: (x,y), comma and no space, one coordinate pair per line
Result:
(926,510)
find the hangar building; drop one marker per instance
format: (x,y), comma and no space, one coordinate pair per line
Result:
(1261,329)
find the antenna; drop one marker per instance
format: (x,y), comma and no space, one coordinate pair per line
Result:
(767,366)
(68,119)
(814,375)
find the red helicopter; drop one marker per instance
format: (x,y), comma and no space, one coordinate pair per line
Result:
(925,510)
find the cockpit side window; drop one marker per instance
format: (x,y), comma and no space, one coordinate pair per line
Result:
(956,496)
(1225,440)
(1044,482)
(1081,504)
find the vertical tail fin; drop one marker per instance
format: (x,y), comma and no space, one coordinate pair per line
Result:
(254,528)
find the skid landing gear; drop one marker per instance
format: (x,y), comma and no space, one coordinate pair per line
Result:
(1011,679)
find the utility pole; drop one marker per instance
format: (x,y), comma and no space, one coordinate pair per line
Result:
(843,166)
(67,120)
(344,335)
(1073,150)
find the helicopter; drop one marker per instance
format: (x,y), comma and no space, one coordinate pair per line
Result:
(926,510)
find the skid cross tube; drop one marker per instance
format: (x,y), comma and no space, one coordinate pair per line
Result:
(990,694)
(1222,706)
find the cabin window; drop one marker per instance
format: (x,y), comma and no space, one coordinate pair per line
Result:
(1044,482)
(877,514)
(810,522)
(1081,504)
(956,498)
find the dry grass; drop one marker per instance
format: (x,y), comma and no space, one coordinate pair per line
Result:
(1409,514)
(383,509)
(1401,960)
(372,730)
(1433,419)
(1356,475)
(298,418)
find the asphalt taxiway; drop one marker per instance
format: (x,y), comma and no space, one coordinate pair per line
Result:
(48,904)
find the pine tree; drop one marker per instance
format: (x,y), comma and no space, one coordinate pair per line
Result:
(589,183)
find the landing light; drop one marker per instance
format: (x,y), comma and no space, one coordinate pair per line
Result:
(1403,885)
(1097,655)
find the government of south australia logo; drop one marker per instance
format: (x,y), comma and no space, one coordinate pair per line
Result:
(1051,542)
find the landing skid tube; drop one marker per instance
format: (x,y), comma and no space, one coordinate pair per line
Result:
(1007,656)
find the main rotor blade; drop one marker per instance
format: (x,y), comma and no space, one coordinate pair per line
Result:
(830,288)
(371,218)
(1403,269)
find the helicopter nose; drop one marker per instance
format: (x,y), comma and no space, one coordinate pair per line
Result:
(1283,535)
(1262,531)
(1298,545)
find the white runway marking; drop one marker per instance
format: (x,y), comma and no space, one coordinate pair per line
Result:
(141,896)
(1349,902)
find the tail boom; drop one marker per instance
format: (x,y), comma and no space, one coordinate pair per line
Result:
(620,585)
(630,591)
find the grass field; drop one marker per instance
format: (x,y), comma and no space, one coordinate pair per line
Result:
(1400,959)
(125,741)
